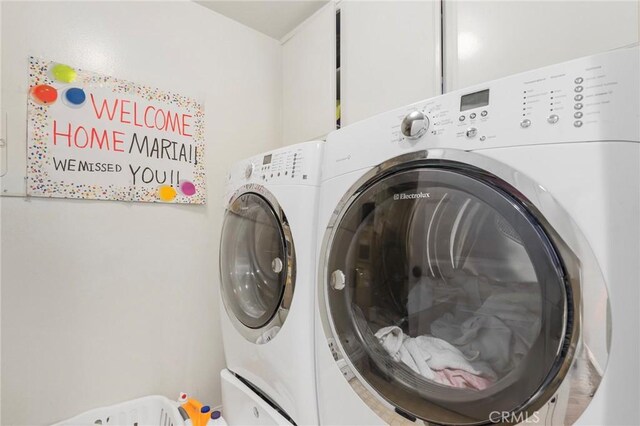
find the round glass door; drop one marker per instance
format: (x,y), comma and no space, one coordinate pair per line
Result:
(446,295)
(253,261)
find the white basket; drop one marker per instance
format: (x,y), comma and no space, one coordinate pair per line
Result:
(148,411)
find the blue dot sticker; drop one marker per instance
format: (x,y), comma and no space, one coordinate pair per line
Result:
(74,97)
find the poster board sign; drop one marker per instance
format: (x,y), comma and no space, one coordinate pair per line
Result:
(92,136)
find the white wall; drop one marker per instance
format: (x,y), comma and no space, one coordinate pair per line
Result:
(107,301)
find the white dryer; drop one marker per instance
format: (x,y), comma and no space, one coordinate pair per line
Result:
(267,274)
(478,255)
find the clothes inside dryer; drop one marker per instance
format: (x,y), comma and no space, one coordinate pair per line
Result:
(453,294)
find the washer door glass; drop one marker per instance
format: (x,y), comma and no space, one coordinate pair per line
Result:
(252,261)
(446,295)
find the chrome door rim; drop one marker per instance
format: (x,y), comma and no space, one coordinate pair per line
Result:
(573,349)
(279,317)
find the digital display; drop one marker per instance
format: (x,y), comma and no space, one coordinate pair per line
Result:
(474,100)
(267,159)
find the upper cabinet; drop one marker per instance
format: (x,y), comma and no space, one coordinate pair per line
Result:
(309,78)
(484,40)
(389,55)
(357,59)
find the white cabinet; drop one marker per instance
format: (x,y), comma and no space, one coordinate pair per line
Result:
(389,57)
(309,78)
(389,54)
(484,40)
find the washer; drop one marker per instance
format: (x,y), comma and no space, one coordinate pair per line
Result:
(486,272)
(267,277)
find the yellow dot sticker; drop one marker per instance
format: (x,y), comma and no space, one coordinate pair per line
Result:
(167,193)
(63,73)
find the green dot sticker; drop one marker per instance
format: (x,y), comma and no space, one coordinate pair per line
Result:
(63,73)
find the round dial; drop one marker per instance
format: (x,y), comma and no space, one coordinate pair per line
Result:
(414,125)
(248,171)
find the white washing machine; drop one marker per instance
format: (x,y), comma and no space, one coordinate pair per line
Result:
(479,251)
(267,274)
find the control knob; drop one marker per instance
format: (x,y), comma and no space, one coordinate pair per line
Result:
(414,125)
(472,132)
(248,171)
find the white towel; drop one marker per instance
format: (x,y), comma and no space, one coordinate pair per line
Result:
(392,341)
(418,358)
(485,338)
(423,354)
(502,330)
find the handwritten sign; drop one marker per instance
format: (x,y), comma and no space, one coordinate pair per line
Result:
(98,137)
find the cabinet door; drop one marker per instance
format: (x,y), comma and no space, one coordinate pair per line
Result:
(309,78)
(389,54)
(485,40)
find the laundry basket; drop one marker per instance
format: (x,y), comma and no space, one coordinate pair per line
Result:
(148,411)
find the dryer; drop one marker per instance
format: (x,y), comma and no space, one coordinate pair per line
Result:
(267,254)
(478,254)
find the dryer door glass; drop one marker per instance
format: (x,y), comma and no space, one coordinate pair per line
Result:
(446,295)
(252,261)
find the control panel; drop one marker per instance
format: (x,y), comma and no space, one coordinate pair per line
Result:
(561,103)
(282,166)
(596,98)
(297,164)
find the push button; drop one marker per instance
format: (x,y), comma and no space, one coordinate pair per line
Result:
(472,115)
(578,80)
(578,114)
(553,119)
(472,132)
(578,89)
(578,98)
(484,113)
(577,106)
(577,123)
(525,123)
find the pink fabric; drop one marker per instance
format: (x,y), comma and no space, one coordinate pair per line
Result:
(461,379)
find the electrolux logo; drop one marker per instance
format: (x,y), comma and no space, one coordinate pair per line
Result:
(414,196)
